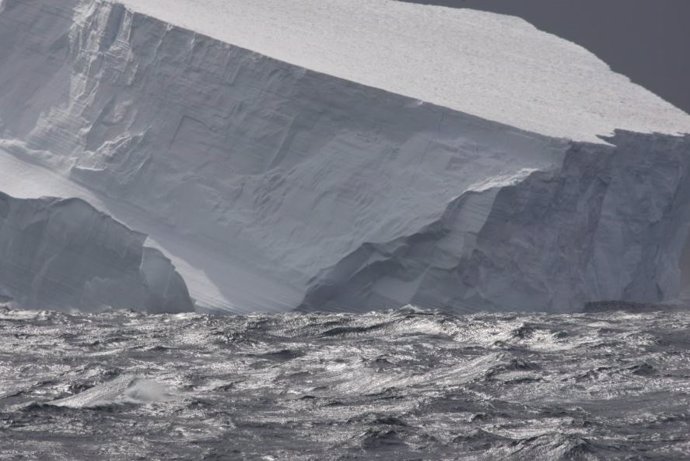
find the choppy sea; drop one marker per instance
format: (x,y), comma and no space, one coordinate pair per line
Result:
(398,385)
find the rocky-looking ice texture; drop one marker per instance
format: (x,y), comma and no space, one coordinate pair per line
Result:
(64,254)
(255,175)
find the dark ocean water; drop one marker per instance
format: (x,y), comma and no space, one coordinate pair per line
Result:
(398,385)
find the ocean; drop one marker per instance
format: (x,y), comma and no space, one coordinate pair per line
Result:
(401,385)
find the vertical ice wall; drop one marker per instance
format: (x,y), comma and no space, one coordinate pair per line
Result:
(611,224)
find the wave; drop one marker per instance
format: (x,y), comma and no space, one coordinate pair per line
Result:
(398,384)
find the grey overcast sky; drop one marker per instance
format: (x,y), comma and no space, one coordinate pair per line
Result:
(647,40)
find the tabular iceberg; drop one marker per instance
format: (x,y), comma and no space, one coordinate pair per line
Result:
(344,173)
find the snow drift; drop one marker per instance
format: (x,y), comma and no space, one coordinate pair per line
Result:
(256,175)
(64,254)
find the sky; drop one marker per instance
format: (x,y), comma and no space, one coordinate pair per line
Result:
(647,40)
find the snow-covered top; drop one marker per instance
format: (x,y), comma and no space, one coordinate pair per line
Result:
(497,67)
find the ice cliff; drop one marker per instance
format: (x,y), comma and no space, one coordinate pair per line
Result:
(610,224)
(322,176)
(64,254)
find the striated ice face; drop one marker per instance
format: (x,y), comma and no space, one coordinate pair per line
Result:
(611,224)
(251,174)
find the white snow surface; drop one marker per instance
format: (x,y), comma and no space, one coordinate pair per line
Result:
(497,67)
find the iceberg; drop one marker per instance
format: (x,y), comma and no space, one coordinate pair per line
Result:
(350,154)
